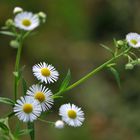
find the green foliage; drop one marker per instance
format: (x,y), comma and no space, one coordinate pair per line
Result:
(7,101)
(4,127)
(5,132)
(116,75)
(7,33)
(65,82)
(20,132)
(107,48)
(31,127)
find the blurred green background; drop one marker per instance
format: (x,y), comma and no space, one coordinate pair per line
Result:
(70,39)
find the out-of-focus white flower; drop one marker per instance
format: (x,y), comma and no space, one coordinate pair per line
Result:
(45,73)
(26,21)
(27,109)
(59,124)
(17,10)
(133,40)
(42,94)
(71,114)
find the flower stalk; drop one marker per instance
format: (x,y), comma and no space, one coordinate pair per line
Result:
(17,69)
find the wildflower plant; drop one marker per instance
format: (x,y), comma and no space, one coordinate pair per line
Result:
(38,98)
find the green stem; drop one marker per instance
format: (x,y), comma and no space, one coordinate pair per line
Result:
(31,126)
(101,67)
(17,69)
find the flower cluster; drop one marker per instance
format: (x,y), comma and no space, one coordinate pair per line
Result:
(22,24)
(26,20)
(40,99)
(132,40)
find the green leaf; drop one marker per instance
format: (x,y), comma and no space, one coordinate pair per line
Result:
(115,42)
(107,48)
(7,101)
(66,81)
(24,86)
(5,130)
(7,33)
(4,28)
(31,127)
(111,65)
(24,132)
(4,127)
(116,75)
(56,97)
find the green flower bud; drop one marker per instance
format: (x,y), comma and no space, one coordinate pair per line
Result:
(14,44)
(129,66)
(120,43)
(138,61)
(9,23)
(42,16)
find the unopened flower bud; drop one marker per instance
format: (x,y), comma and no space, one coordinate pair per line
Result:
(17,10)
(59,124)
(9,23)
(120,43)
(14,44)
(129,66)
(138,61)
(42,16)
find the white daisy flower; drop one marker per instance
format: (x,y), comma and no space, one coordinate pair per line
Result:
(59,124)
(71,114)
(133,40)
(26,21)
(27,109)
(42,94)
(45,73)
(17,10)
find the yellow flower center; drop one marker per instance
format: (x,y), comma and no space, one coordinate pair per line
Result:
(40,96)
(27,108)
(72,114)
(45,72)
(26,22)
(133,41)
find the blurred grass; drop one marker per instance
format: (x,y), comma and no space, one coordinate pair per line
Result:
(70,39)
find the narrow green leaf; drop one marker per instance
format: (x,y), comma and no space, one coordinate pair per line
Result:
(66,81)
(115,42)
(24,132)
(116,75)
(111,65)
(107,48)
(56,97)
(7,33)
(4,28)
(31,127)
(4,127)
(6,101)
